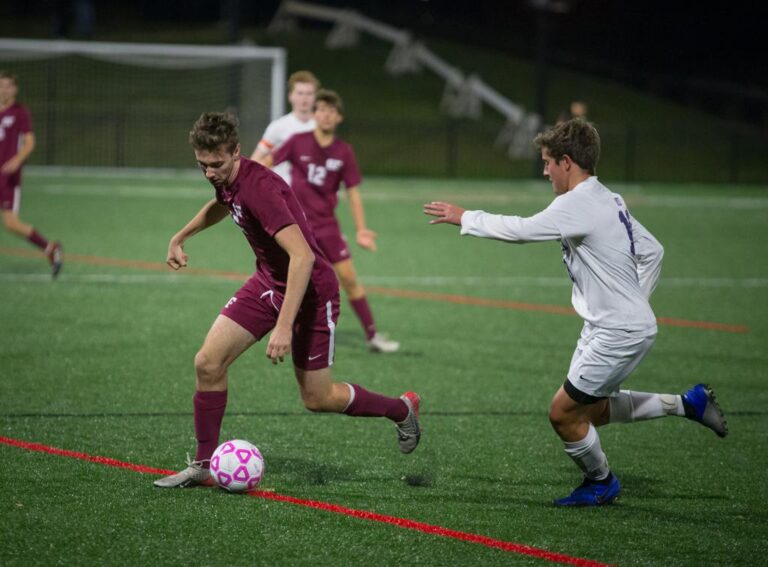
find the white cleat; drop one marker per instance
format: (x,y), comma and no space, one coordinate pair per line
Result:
(408,430)
(55,254)
(380,343)
(193,475)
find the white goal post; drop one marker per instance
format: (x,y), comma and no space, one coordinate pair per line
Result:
(133,104)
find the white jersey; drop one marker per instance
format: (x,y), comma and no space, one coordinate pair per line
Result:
(613,261)
(278,132)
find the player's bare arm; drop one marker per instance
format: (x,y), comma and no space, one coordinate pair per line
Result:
(260,154)
(302,259)
(445,213)
(13,164)
(267,160)
(366,238)
(211,213)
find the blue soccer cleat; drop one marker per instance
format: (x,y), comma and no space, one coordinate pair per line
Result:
(592,493)
(701,405)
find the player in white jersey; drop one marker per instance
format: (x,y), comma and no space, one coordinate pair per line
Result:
(614,263)
(302,86)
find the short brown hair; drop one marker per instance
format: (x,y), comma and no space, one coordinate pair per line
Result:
(8,75)
(331,98)
(576,138)
(302,77)
(214,129)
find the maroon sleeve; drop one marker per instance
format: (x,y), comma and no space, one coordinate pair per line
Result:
(284,152)
(268,204)
(351,174)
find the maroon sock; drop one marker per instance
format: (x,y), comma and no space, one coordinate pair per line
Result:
(371,404)
(209,411)
(37,239)
(363,312)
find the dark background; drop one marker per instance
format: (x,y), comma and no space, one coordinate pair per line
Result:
(682,50)
(703,57)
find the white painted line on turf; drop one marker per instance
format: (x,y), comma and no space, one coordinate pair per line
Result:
(504,281)
(112,172)
(513,196)
(131,191)
(112,278)
(423,281)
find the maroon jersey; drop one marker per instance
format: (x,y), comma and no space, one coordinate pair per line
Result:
(14,123)
(262,204)
(317,174)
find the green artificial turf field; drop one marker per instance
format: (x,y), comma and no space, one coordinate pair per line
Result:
(100,363)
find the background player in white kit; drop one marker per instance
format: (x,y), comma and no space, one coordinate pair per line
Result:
(302,87)
(614,263)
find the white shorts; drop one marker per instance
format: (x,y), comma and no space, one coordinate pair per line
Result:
(604,358)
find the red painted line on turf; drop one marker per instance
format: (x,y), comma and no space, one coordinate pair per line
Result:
(432,529)
(468,300)
(508,546)
(120,263)
(390,292)
(703,325)
(82,456)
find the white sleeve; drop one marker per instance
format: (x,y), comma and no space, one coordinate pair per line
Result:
(563,218)
(539,227)
(649,254)
(271,138)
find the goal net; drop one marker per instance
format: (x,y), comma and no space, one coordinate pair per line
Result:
(132,105)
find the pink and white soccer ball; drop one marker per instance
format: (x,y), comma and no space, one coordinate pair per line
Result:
(237,466)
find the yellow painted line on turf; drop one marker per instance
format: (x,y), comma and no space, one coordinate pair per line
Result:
(390,292)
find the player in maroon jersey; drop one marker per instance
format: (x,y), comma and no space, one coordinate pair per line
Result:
(16,143)
(293,297)
(320,163)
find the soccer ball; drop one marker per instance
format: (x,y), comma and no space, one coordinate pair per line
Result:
(237,466)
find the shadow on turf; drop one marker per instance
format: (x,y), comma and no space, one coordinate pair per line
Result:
(316,473)
(354,340)
(310,472)
(641,493)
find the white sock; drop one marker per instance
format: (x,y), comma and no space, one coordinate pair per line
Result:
(351,396)
(589,456)
(628,406)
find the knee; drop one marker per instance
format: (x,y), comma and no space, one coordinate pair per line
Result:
(349,283)
(209,370)
(314,402)
(13,225)
(556,418)
(560,420)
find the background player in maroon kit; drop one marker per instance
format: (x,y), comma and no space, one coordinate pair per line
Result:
(320,162)
(294,296)
(16,143)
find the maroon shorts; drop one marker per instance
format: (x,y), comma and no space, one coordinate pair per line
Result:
(10,192)
(333,245)
(255,307)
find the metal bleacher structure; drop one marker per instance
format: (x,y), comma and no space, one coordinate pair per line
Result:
(464,94)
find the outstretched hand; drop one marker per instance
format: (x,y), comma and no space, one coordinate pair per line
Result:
(176,257)
(445,213)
